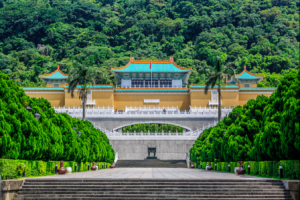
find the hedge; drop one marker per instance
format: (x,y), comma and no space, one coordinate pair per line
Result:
(291,168)
(10,169)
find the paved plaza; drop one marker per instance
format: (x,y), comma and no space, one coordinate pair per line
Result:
(152,173)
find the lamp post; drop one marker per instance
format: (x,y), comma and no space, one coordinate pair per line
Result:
(216,166)
(249,169)
(78,134)
(88,167)
(55,168)
(28,108)
(37,116)
(228,167)
(201,166)
(280,171)
(75,167)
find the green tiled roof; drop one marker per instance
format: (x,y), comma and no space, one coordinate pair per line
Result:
(56,75)
(246,75)
(257,89)
(156,67)
(42,88)
(152,90)
(104,86)
(222,87)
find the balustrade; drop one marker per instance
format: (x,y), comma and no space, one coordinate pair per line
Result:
(144,111)
(195,133)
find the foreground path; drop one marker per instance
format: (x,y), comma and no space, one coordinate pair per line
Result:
(153,173)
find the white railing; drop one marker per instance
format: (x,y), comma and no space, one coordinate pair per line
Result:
(77,111)
(195,133)
(200,109)
(109,112)
(150,108)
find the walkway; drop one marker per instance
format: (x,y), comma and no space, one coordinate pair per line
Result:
(152,173)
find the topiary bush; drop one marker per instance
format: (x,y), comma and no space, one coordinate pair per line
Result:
(265,129)
(50,138)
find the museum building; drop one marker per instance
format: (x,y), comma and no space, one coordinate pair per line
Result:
(150,83)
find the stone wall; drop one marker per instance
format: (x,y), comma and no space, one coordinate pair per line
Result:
(166,149)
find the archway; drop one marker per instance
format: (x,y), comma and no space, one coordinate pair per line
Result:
(119,128)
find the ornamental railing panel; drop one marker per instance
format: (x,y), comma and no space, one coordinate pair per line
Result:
(101,112)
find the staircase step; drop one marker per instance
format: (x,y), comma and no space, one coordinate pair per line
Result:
(67,189)
(156,183)
(151,163)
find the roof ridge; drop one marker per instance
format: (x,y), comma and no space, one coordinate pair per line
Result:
(153,62)
(57,70)
(245,70)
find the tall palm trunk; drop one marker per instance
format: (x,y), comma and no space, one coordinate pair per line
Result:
(83,107)
(219,99)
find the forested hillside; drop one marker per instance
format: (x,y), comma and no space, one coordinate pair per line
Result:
(37,35)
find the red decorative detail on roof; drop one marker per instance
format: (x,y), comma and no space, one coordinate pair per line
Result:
(245,70)
(57,70)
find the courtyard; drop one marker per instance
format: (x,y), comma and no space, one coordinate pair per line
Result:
(152,173)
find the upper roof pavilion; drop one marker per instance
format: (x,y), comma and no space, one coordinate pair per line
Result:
(246,78)
(57,78)
(163,74)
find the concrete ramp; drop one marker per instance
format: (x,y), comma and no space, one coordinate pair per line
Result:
(151,163)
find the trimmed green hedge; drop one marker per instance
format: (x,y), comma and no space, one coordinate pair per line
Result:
(10,169)
(291,168)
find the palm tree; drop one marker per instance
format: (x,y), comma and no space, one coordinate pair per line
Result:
(80,75)
(216,76)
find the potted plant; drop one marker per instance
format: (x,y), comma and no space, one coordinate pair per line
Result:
(94,168)
(209,167)
(240,170)
(61,170)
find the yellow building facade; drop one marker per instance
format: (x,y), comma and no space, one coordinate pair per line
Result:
(150,84)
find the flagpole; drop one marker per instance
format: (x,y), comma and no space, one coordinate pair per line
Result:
(151,72)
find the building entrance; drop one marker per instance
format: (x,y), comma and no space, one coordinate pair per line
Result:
(151,150)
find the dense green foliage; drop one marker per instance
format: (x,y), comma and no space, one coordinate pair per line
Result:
(50,138)
(152,128)
(263,129)
(36,35)
(10,169)
(291,168)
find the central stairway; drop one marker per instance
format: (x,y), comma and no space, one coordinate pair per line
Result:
(75,189)
(152,163)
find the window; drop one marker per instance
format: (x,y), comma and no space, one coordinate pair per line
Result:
(214,96)
(147,83)
(89,95)
(155,83)
(246,85)
(165,83)
(137,83)
(56,85)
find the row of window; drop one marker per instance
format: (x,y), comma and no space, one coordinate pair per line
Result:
(153,83)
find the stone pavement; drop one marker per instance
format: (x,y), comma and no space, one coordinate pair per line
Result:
(152,173)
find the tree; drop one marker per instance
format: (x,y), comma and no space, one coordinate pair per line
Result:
(218,75)
(81,74)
